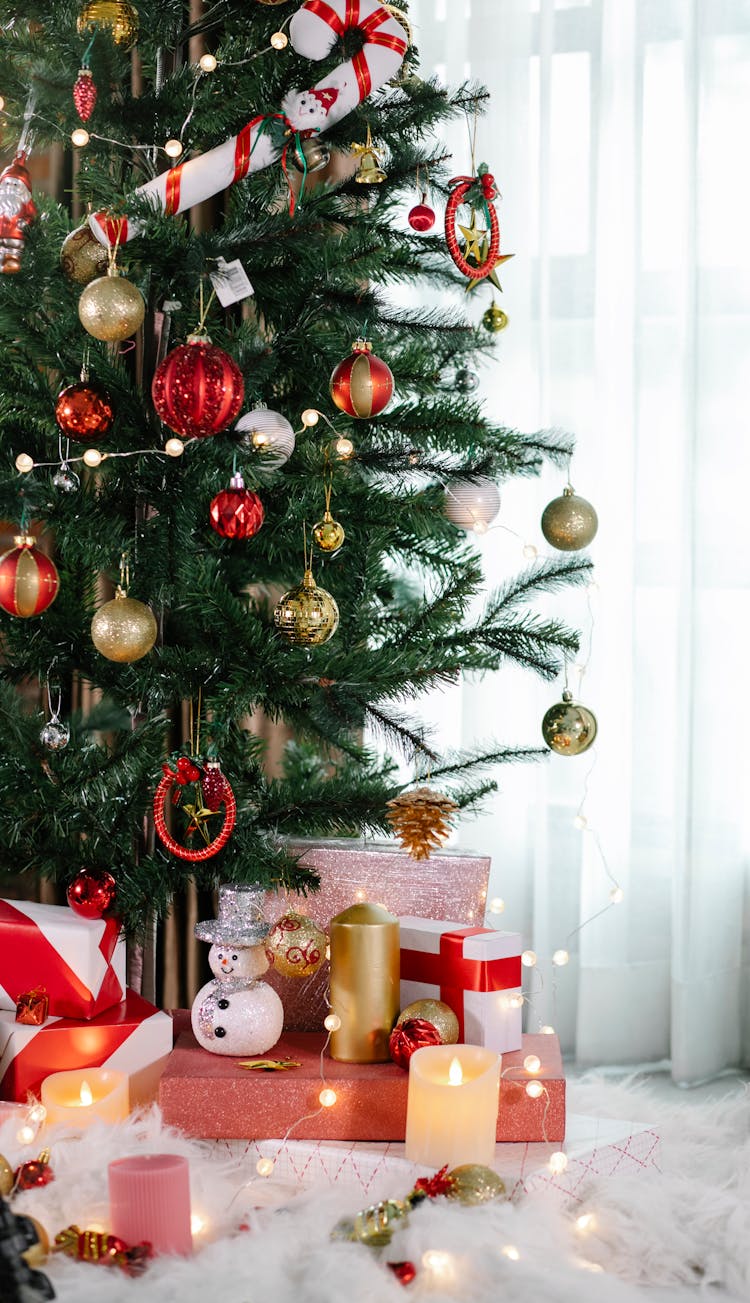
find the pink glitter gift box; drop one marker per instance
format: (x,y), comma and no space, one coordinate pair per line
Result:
(452,884)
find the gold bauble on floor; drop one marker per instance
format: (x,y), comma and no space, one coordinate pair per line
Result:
(82,257)
(111,308)
(472,1183)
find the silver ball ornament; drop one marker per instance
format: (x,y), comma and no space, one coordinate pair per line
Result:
(65,479)
(467,380)
(55,735)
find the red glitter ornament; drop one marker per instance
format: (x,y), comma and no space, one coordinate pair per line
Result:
(36,1172)
(84,94)
(198,389)
(213,785)
(422,217)
(84,411)
(236,512)
(28,579)
(410,1036)
(92,893)
(404,1272)
(362,385)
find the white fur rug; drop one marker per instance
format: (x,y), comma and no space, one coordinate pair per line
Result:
(683,1229)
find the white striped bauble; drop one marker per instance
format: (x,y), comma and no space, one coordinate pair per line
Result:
(268,433)
(472,504)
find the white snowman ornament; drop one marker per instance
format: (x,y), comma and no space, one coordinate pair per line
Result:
(236,1013)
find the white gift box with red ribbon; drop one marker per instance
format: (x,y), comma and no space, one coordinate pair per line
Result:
(475,970)
(78,962)
(134,1037)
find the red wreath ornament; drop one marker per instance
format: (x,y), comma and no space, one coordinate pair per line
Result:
(211,791)
(476,190)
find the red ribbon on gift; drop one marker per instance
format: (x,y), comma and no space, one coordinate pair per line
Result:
(24,946)
(453,974)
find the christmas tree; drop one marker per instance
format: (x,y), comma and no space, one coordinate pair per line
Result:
(114,494)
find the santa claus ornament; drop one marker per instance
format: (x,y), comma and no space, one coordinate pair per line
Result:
(17,210)
(236,1013)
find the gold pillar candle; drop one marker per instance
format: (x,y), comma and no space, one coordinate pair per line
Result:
(365,971)
(452,1106)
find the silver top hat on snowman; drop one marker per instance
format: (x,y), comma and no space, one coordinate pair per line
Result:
(241,920)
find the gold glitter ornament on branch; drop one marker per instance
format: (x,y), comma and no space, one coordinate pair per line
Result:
(117,17)
(421,819)
(569,523)
(124,629)
(111,308)
(568,728)
(82,257)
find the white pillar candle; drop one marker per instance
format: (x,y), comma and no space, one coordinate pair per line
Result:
(85,1095)
(452,1108)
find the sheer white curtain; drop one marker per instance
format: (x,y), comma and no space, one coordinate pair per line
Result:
(618,135)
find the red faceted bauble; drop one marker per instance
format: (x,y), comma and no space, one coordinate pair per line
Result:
(410,1036)
(28,579)
(32,1174)
(236,512)
(84,411)
(422,217)
(362,385)
(84,94)
(198,389)
(92,893)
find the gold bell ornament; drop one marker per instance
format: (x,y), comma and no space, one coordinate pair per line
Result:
(369,171)
(317,155)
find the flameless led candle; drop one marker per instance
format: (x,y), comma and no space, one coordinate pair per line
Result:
(149,1199)
(452,1107)
(86,1095)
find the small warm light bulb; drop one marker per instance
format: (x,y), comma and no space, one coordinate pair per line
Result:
(546,1030)
(592,586)
(580,822)
(174,447)
(2,103)
(532,1063)
(327,1097)
(207,63)
(528,958)
(558,1162)
(24,463)
(617,895)
(436,1261)
(197,1224)
(332,1022)
(92,457)
(560,958)
(496,905)
(279,40)
(344,447)
(86,1096)
(585,1222)
(37,1114)
(534,1089)
(260,438)
(80,137)
(25,1135)
(310,417)
(328,952)
(530,552)
(360,894)
(480,526)
(173,148)
(455,1073)
(510,1251)
(264,1166)
(515,1002)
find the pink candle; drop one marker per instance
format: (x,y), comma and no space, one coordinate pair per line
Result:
(149,1199)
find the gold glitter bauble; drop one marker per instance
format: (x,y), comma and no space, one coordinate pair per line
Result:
(494,320)
(82,257)
(421,819)
(436,1012)
(6,1176)
(472,1184)
(295,946)
(569,522)
(329,534)
(124,629)
(307,615)
(118,17)
(36,1254)
(111,308)
(568,728)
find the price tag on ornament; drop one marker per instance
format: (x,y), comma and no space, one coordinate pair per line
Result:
(231,282)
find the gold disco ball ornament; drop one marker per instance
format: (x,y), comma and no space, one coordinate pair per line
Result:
(568,728)
(472,1183)
(569,522)
(117,17)
(111,308)
(306,616)
(329,535)
(436,1012)
(495,319)
(124,629)
(82,257)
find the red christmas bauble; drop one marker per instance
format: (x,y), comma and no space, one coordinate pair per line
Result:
(92,893)
(34,1173)
(213,785)
(410,1036)
(28,579)
(362,385)
(236,512)
(422,217)
(84,94)
(405,1272)
(198,389)
(84,411)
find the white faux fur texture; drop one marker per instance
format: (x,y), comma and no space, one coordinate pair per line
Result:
(679,1231)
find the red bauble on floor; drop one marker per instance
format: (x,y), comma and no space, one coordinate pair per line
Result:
(84,411)
(92,893)
(236,512)
(198,389)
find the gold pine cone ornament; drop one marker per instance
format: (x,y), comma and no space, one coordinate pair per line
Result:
(422,820)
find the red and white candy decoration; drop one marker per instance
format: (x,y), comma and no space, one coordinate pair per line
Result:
(313,31)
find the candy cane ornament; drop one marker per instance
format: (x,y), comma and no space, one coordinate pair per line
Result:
(313,31)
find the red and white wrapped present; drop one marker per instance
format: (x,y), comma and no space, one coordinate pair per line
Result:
(475,970)
(78,962)
(134,1037)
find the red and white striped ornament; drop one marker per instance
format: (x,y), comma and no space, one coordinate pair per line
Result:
(362,385)
(28,579)
(84,94)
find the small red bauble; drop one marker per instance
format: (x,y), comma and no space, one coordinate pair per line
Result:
(410,1036)
(28,579)
(362,385)
(405,1272)
(236,512)
(422,217)
(198,389)
(84,94)
(34,1173)
(84,411)
(92,893)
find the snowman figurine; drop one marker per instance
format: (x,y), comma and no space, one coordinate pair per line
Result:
(236,1013)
